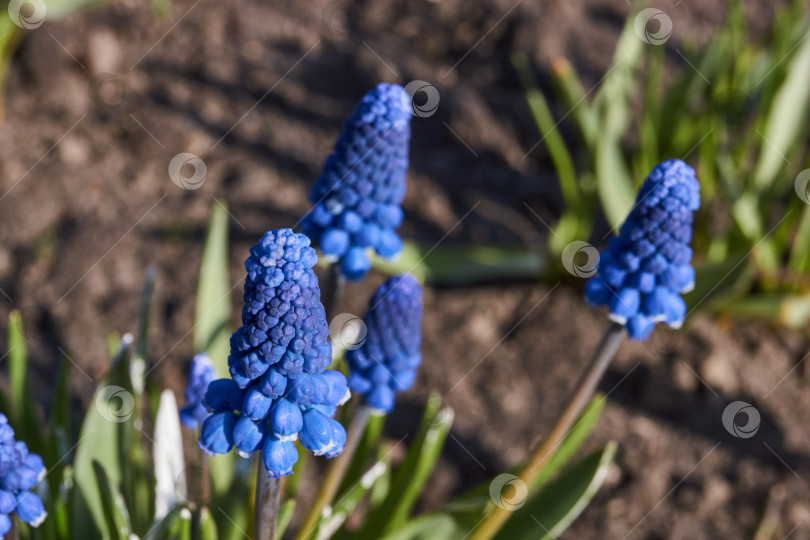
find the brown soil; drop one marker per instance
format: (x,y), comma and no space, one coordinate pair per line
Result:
(259,91)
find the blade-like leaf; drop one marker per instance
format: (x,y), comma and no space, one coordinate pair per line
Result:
(23,407)
(212,316)
(108,414)
(558,504)
(208,528)
(464,265)
(787,118)
(411,475)
(474,503)
(113,506)
(170,480)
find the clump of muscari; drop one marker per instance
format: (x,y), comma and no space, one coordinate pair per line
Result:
(387,360)
(357,198)
(280,389)
(202,373)
(20,471)
(646,268)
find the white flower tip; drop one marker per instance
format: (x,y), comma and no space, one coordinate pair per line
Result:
(37,522)
(617,319)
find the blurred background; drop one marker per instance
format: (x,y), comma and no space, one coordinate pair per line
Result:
(540,120)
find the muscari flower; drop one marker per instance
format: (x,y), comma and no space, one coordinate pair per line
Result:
(20,471)
(280,389)
(202,373)
(357,198)
(645,269)
(387,360)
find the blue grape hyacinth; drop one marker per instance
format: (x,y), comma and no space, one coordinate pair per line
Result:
(202,373)
(357,198)
(387,360)
(20,471)
(279,388)
(646,268)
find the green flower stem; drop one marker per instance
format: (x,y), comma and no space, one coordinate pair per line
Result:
(332,290)
(268,495)
(584,391)
(337,470)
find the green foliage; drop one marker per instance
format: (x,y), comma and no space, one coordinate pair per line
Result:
(735,109)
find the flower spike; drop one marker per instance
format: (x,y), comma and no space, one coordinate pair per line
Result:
(646,268)
(357,199)
(278,361)
(387,361)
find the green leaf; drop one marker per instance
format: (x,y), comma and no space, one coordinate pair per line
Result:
(212,314)
(333,518)
(208,528)
(100,441)
(113,506)
(430,527)
(474,503)
(560,156)
(212,319)
(23,408)
(463,265)
(787,118)
(162,528)
(410,477)
(285,515)
(167,452)
(746,214)
(551,512)
(792,310)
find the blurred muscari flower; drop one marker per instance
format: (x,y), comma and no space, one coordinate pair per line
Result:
(202,373)
(645,269)
(279,390)
(387,360)
(20,471)
(358,195)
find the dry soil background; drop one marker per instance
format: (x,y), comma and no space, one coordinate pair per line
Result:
(259,91)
